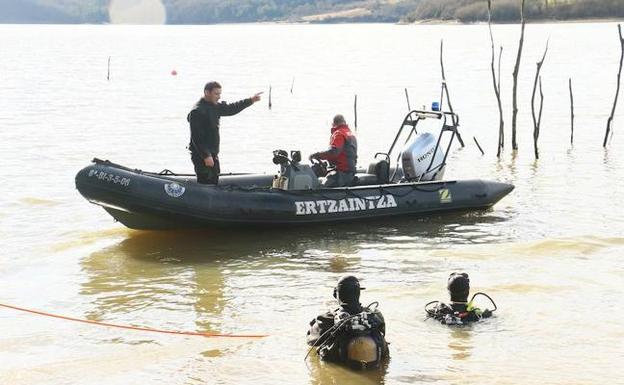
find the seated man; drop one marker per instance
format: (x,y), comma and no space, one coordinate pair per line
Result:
(342,154)
(349,334)
(459,311)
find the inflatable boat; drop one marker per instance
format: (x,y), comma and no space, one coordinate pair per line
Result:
(295,194)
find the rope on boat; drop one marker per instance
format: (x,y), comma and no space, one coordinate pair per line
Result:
(128,327)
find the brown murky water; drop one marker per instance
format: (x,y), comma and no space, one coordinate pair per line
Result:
(550,254)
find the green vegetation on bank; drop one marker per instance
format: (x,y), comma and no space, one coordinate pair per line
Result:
(232,11)
(509,10)
(219,11)
(53,11)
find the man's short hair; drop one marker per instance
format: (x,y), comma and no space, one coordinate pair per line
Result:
(211,86)
(339,119)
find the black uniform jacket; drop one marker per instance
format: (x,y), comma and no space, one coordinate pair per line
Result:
(204,122)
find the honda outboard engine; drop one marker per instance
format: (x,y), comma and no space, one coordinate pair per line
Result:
(417,156)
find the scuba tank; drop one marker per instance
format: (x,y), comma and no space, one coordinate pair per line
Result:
(356,340)
(448,315)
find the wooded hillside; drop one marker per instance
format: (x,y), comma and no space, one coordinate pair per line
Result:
(240,11)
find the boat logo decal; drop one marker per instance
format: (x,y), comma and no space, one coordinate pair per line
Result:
(330,206)
(445,196)
(174,190)
(108,177)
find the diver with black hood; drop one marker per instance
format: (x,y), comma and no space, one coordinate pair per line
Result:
(459,311)
(350,334)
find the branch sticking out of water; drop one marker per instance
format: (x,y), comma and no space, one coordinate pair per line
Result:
(270,99)
(445,89)
(537,121)
(448,100)
(108,73)
(514,142)
(617,91)
(496,84)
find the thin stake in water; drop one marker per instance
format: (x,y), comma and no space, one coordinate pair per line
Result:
(408,103)
(270,100)
(355,111)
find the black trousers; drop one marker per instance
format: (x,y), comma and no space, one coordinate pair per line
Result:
(337,178)
(206,175)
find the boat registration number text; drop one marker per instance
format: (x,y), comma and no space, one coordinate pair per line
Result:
(109,177)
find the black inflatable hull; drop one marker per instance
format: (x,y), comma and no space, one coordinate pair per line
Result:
(143,200)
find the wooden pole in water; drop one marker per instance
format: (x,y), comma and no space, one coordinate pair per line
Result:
(617,91)
(292,85)
(496,83)
(270,101)
(571,112)
(355,112)
(408,103)
(108,73)
(537,121)
(514,143)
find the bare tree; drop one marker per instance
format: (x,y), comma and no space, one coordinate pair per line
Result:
(537,121)
(617,91)
(496,83)
(514,143)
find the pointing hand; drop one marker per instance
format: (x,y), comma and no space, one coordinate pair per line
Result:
(256,97)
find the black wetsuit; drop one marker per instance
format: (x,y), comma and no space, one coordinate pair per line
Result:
(331,345)
(458,313)
(204,121)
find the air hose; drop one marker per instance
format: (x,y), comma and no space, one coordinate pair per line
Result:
(332,330)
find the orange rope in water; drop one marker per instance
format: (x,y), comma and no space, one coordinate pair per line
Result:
(144,329)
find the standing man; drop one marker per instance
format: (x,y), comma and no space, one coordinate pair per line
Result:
(342,154)
(204,121)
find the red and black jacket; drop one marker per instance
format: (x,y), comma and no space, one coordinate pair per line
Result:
(343,149)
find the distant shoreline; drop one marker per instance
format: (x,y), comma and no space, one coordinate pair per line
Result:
(343,21)
(530,21)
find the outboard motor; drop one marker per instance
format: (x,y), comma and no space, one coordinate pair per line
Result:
(417,156)
(293,175)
